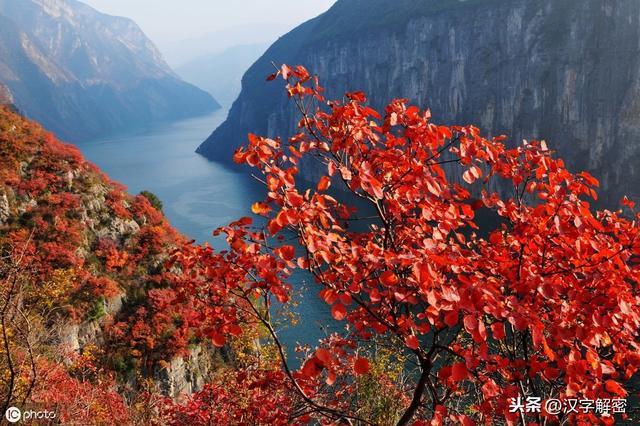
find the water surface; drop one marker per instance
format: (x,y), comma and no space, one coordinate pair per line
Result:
(197,195)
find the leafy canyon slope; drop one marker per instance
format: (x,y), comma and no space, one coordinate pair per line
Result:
(83,263)
(562,70)
(82,73)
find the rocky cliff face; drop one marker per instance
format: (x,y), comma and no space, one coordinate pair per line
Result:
(82,73)
(564,71)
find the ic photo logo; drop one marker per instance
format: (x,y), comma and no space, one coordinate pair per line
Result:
(13,414)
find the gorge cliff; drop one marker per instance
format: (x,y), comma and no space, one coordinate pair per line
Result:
(83,74)
(564,71)
(85,262)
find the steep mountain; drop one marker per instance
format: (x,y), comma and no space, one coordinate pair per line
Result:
(564,71)
(220,73)
(82,73)
(85,261)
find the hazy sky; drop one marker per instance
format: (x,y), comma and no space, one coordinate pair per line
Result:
(168,21)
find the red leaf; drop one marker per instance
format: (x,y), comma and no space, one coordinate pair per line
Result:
(490,389)
(412,342)
(589,179)
(295,199)
(244,221)
(361,366)
(477,204)
(451,318)
(331,378)
(338,311)
(389,278)
(357,96)
(331,168)
(274,227)
(311,368)
(286,252)
(376,187)
(324,356)
(497,328)
(218,339)
(235,330)
(459,371)
(470,324)
(615,388)
(627,202)
(345,298)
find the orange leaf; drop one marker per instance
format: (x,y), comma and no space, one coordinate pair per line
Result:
(331,378)
(324,183)
(260,209)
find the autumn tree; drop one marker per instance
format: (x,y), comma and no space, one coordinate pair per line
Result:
(18,335)
(543,303)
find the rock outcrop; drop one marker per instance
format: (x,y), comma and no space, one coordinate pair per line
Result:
(561,70)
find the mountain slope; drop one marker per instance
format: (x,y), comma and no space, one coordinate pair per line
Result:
(82,73)
(90,261)
(563,71)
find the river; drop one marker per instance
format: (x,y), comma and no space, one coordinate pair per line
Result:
(197,195)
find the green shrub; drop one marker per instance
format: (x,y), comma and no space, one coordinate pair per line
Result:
(153,199)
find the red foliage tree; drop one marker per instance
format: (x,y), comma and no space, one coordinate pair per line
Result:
(77,400)
(543,304)
(239,398)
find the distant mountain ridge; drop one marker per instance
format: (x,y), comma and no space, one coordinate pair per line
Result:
(562,70)
(220,73)
(83,73)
